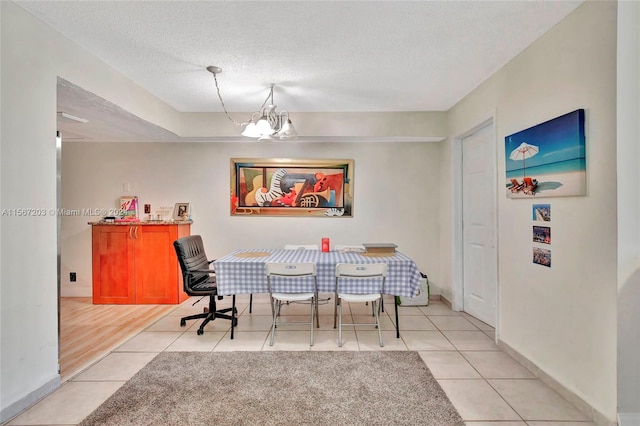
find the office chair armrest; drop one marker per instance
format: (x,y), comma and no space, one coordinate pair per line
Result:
(210,271)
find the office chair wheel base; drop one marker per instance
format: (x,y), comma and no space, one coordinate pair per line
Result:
(200,331)
(183,323)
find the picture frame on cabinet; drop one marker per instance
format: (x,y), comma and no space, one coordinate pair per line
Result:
(181,212)
(129,206)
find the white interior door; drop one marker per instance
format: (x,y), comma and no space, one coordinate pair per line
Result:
(479,255)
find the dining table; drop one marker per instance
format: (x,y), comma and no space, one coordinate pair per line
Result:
(243,271)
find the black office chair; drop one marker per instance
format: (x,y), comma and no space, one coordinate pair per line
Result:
(199,280)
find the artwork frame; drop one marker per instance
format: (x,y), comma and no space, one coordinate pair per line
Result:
(548,159)
(542,256)
(181,212)
(541,212)
(541,234)
(301,187)
(129,207)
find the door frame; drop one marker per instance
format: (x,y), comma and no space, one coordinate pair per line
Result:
(457,206)
(59,228)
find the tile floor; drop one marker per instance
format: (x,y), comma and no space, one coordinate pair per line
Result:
(486,385)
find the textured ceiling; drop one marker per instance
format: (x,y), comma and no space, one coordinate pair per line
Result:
(321,55)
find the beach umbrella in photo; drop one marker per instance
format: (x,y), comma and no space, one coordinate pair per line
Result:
(523,152)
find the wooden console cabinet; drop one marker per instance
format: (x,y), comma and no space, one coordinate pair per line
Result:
(136,263)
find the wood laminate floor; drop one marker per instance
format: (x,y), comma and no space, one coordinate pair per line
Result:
(88,332)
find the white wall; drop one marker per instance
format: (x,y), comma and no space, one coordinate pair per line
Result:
(396,191)
(563,318)
(33,56)
(628,207)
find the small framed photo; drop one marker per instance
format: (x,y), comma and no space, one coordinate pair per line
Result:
(542,256)
(542,234)
(542,212)
(181,211)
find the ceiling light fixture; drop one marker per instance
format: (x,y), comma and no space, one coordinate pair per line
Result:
(264,124)
(73,117)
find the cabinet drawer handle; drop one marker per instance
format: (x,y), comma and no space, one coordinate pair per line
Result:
(136,233)
(131,232)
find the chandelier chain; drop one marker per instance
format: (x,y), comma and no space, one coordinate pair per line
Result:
(224,107)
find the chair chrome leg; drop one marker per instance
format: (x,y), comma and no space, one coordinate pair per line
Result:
(313,305)
(340,324)
(335,310)
(378,324)
(272,306)
(317,311)
(273,323)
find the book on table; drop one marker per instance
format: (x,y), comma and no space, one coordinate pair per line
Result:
(380,247)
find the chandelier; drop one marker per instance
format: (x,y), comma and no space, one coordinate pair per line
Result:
(264,124)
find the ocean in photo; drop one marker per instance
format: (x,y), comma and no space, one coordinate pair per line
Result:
(568,166)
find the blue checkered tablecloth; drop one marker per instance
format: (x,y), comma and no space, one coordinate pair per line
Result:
(239,274)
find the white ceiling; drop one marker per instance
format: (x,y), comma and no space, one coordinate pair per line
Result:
(321,55)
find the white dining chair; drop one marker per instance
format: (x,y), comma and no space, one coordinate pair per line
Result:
(301,247)
(291,282)
(347,290)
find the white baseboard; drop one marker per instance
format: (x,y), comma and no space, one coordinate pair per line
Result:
(76,292)
(628,419)
(596,417)
(27,401)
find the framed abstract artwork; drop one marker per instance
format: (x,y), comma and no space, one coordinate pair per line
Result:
(547,160)
(291,187)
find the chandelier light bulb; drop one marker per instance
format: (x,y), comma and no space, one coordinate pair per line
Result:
(264,127)
(251,131)
(288,131)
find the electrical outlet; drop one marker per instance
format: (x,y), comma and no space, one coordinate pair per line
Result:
(72,277)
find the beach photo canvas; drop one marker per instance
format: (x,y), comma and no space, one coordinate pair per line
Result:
(547,160)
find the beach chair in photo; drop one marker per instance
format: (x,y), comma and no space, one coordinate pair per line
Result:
(515,185)
(530,186)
